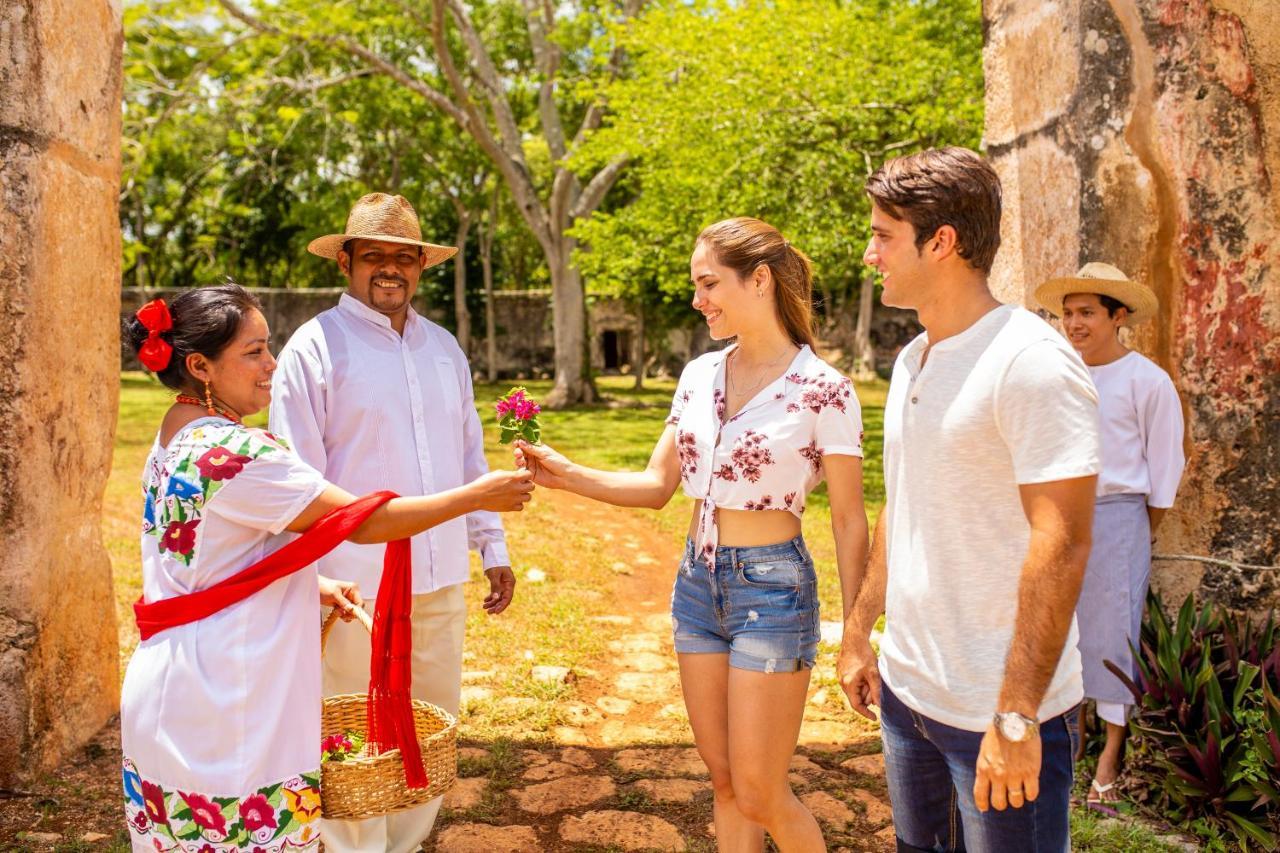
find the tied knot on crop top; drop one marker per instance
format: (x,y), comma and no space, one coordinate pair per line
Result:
(769,454)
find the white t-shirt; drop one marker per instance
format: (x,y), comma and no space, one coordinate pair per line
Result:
(1004,403)
(1141,430)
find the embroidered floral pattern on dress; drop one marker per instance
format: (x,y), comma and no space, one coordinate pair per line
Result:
(190,475)
(280,818)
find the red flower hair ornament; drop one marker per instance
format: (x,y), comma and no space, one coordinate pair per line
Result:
(155,351)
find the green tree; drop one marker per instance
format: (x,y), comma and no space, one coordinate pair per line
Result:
(775,109)
(509,76)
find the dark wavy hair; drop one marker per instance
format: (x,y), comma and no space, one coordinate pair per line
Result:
(205,320)
(944,186)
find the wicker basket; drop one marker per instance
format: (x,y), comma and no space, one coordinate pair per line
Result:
(373,786)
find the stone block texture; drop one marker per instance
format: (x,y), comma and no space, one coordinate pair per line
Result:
(1146,133)
(59,300)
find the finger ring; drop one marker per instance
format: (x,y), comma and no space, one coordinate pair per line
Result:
(1015,792)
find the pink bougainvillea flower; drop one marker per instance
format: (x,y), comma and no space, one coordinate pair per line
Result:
(218,463)
(180,537)
(154,797)
(518,417)
(205,813)
(257,813)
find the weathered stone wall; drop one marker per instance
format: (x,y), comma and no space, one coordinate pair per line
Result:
(59,291)
(1147,133)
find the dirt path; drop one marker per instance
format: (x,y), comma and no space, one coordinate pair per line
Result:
(625,776)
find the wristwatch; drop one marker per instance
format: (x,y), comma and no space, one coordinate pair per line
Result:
(1015,727)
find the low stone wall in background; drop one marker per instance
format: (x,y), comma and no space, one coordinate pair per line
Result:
(524,336)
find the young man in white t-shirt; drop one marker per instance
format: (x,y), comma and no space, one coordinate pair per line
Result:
(991,456)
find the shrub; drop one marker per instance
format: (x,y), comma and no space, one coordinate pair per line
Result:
(1205,729)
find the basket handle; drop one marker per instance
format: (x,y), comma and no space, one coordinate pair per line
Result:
(362,616)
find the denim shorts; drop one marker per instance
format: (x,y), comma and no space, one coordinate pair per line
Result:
(760,606)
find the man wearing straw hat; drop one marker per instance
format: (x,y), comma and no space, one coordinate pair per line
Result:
(378,397)
(1141,435)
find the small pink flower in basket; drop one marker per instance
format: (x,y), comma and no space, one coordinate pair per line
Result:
(518,417)
(341,747)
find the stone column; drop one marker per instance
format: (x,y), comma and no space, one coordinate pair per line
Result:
(1146,133)
(60,83)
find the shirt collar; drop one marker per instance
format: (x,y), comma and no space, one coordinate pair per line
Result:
(358,309)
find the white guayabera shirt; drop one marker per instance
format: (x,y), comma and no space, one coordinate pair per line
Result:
(373,410)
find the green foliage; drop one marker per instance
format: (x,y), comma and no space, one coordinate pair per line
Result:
(1208,715)
(776,109)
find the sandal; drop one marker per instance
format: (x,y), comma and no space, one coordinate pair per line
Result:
(1095,798)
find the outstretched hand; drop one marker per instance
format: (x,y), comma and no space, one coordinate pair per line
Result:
(548,467)
(503,491)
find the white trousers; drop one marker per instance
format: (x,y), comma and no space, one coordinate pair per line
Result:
(439,623)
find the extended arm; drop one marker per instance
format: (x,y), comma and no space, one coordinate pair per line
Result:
(650,488)
(498,491)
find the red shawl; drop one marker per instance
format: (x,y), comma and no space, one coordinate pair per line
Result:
(390,711)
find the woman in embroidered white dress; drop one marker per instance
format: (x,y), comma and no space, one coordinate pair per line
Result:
(753,429)
(220,718)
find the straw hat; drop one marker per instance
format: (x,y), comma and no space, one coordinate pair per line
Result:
(379,216)
(1102,279)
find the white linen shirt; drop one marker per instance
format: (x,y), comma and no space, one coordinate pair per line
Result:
(371,409)
(1141,430)
(768,455)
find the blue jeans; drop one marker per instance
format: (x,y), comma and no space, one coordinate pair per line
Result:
(931,769)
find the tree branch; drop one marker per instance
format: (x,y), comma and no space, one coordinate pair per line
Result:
(540,21)
(596,189)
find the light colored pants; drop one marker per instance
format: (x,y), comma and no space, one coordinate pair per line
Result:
(439,623)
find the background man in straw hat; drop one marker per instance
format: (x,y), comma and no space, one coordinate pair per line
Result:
(990,457)
(378,397)
(1142,462)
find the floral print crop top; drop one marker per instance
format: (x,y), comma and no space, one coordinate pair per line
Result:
(768,455)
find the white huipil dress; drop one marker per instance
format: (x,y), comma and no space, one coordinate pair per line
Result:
(220,718)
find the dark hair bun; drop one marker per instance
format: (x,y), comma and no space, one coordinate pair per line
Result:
(205,321)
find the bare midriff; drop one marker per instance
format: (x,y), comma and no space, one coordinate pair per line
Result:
(745,528)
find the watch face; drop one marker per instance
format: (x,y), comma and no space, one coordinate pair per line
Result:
(1013,728)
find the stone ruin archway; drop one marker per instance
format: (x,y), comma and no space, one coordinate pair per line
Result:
(1098,117)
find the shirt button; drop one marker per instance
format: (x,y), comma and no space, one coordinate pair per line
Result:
(915,399)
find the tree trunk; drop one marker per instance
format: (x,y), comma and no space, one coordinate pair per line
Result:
(569,318)
(461,314)
(637,347)
(864,355)
(486,266)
